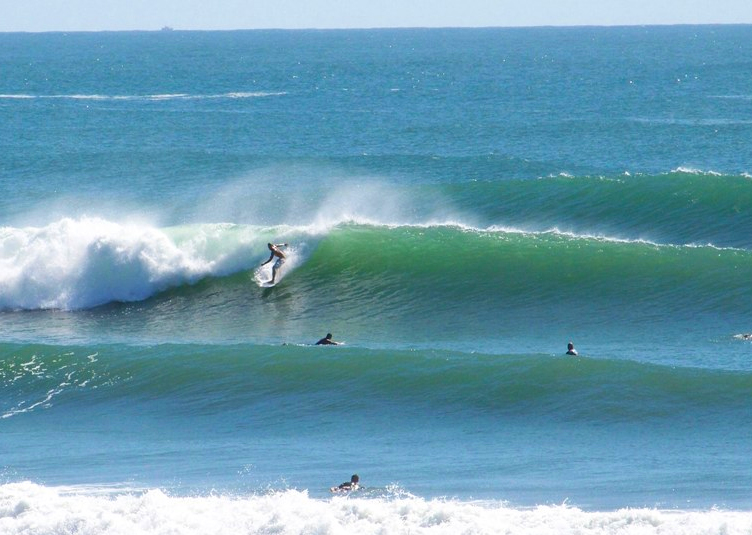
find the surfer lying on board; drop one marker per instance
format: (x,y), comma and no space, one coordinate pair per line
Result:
(353,484)
(327,341)
(274,248)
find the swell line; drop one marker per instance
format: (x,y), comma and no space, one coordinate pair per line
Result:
(153,97)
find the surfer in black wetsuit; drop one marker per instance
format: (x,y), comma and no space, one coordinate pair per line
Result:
(275,249)
(571,350)
(353,484)
(327,341)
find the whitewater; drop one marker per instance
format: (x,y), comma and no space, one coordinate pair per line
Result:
(37,510)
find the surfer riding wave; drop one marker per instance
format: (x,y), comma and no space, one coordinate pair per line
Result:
(275,252)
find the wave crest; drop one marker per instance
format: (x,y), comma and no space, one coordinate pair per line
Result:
(81,263)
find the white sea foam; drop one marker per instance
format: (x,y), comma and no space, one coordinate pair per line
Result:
(30,508)
(693,171)
(80,263)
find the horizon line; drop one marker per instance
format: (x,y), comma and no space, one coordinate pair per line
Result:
(169,29)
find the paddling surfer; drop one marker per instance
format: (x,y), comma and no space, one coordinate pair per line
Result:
(276,252)
(327,341)
(353,484)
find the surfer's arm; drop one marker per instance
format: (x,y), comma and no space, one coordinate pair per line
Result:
(270,259)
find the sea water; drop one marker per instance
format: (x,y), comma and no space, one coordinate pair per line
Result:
(458,204)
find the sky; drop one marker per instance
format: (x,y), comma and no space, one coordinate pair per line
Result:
(97,15)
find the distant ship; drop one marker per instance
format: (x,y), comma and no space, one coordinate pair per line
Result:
(166,28)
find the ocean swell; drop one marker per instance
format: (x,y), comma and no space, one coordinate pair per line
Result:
(215,379)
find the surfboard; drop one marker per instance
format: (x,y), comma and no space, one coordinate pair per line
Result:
(262,278)
(346,489)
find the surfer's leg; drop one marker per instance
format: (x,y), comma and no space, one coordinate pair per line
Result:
(275,268)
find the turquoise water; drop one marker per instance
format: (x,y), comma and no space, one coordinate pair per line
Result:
(459,204)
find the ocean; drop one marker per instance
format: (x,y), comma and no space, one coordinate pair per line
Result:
(458,204)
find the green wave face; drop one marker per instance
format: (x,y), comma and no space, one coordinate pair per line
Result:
(449,264)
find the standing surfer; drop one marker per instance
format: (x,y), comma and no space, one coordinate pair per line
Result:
(275,249)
